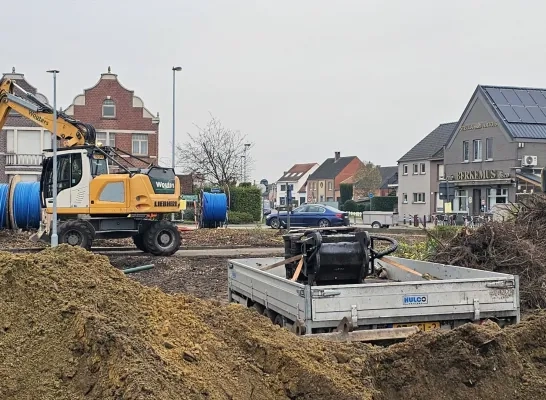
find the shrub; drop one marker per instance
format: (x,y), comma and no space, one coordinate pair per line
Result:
(384,203)
(350,206)
(189,214)
(246,199)
(235,217)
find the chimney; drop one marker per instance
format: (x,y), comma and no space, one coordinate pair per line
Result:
(337,154)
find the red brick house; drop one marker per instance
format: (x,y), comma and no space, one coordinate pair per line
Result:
(119,117)
(323,184)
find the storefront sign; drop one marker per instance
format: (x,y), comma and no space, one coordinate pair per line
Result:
(481,175)
(479,125)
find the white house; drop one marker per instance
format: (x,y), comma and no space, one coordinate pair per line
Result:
(296,178)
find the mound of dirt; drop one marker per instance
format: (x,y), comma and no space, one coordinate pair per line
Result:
(471,362)
(74,327)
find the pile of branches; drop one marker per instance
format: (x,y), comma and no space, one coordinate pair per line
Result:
(516,246)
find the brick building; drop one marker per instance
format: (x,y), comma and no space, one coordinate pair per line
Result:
(21,140)
(119,117)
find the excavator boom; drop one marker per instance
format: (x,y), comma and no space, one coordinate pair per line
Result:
(70,131)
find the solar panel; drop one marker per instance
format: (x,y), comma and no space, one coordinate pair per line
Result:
(497,96)
(537,114)
(509,114)
(538,97)
(512,97)
(524,115)
(525,98)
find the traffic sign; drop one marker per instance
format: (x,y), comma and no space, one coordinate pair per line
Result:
(370,195)
(189,197)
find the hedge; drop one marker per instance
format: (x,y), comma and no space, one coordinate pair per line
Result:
(235,217)
(346,192)
(247,200)
(384,203)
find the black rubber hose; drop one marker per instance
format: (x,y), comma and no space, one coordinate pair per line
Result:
(391,249)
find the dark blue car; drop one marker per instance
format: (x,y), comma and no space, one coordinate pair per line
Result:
(309,215)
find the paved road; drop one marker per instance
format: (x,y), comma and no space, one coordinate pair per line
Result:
(251,251)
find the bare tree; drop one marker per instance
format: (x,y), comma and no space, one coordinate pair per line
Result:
(367,179)
(215,152)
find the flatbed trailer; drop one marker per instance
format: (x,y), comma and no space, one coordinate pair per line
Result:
(404,296)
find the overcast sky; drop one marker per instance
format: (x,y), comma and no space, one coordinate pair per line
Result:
(302,78)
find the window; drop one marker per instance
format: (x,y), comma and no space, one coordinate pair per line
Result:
(477,148)
(140,144)
(302,200)
(405,169)
(461,201)
(465,151)
(283,188)
(415,169)
(329,185)
(69,173)
(418,197)
(282,201)
(106,138)
(441,172)
(489,148)
(423,171)
(497,196)
(108,109)
(405,198)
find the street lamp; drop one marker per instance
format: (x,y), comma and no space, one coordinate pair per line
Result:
(175,69)
(54,237)
(247,146)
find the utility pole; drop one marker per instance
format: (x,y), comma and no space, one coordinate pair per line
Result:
(175,69)
(54,236)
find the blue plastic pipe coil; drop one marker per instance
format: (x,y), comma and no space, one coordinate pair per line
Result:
(26,205)
(214,207)
(4,190)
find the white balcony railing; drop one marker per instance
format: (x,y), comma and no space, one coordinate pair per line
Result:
(24,159)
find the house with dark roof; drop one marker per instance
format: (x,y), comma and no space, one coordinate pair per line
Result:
(295,179)
(497,149)
(419,173)
(323,184)
(21,140)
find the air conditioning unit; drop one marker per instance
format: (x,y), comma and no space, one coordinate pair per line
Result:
(529,161)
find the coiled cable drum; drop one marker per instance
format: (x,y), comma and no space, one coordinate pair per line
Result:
(214,207)
(4,190)
(26,205)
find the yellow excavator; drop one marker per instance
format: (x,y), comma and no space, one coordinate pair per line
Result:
(94,202)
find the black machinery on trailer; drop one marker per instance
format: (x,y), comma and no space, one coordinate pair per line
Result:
(333,256)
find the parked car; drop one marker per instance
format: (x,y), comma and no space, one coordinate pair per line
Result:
(309,215)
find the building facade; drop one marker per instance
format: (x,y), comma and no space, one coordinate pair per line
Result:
(119,117)
(419,172)
(323,184)
(295,178)
(498,148)
(21,140)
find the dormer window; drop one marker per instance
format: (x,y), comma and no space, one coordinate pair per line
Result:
(108,109)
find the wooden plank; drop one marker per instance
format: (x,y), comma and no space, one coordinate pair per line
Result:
(282,262)
(298,271)
(368,335)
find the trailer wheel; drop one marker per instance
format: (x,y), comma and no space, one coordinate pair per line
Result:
(270,314)
(162,238)
(279,320)
(77,233)
(258,307)
(376,225)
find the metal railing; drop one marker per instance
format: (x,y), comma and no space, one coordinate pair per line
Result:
(24,159)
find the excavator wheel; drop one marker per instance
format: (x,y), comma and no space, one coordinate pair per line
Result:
(76,233)
(138,240)
(162,238)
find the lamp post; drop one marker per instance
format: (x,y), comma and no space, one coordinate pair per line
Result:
(175,69)
(54,237)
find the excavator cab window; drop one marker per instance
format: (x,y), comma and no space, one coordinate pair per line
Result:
(69,173)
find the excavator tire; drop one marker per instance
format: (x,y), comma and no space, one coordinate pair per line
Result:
(76,233)
(138,240)
(162,238)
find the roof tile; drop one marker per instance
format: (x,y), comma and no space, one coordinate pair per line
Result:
(331,168)
(432,145)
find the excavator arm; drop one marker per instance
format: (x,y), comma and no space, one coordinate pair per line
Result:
(70,131)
